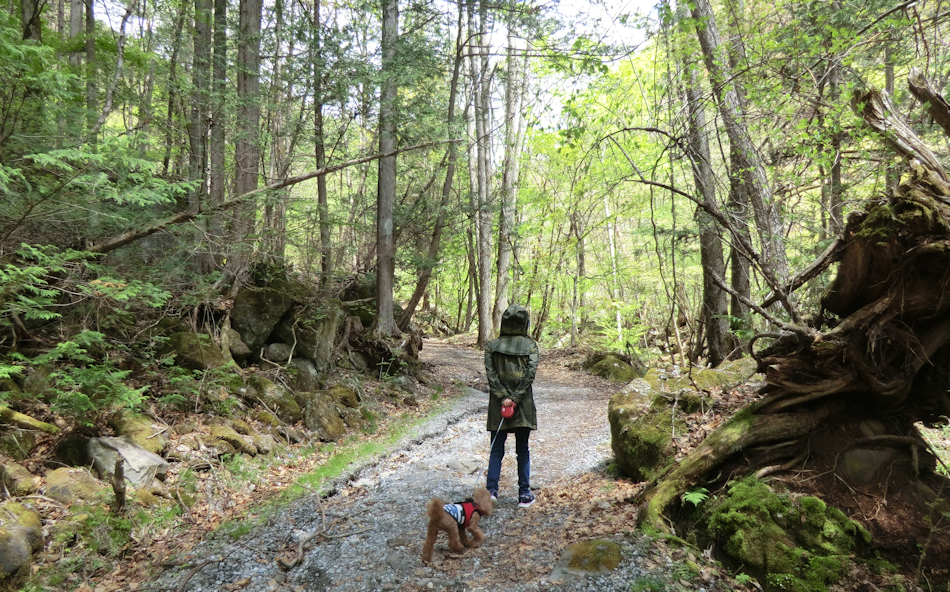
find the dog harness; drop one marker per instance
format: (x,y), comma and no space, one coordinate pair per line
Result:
(462,511)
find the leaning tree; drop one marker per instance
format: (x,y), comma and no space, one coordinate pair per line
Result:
(873,362)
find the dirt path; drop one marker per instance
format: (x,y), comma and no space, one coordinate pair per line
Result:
(367,535)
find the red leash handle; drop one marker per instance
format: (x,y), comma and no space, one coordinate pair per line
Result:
(508,412)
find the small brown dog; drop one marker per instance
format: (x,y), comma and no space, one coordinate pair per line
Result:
(455,519)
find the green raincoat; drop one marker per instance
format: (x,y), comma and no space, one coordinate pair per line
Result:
(511,362)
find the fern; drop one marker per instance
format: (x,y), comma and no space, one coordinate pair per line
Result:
(696,496)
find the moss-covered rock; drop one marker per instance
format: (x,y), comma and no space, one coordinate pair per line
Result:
(196,351)
(68,485)
(17,480)
(276,398)
(640,433)
(267,418)
(613,368)
(345,396)
(787,542)
(322,416)
(707,378)
(17,443)
(227,433)
(140,430)
(587,557)
(256,312)
(14,514)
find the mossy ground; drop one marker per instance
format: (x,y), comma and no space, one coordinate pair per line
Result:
(787,542)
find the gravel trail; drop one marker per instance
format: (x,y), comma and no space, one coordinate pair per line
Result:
(376,513)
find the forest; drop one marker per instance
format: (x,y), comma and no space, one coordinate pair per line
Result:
(679,184)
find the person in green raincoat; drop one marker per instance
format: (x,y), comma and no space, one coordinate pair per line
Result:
(511,362)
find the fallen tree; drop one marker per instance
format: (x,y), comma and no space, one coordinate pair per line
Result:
(859,376)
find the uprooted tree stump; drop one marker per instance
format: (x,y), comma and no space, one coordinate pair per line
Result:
(842,396)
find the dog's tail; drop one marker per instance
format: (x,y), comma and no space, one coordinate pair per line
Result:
(435,509)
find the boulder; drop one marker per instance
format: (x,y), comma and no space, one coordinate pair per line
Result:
(236,440)
(68,485)
(314,334)
(14,515)
(345,396)
(352,418)
(17,479)
(139,466)
(196,351)
(674,379)
(278,352)
(323,418)
(239,350)
(264,443)
(15,553)
(306,379)
(256,313)
(641,431)
(140,429)
(276,398)
(17,443)
(613,368)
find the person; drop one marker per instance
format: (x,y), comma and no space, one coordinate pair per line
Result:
(511,362)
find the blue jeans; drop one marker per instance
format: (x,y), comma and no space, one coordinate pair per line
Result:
(498,453)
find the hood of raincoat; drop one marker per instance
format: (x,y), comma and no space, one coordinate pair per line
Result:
(515,320)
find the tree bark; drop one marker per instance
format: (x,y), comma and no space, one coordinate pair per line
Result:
(320,150)
(514,140)
(91,91)
(200,116)
(481,93)
(425,274)
(715,305)
(386,190)
(218,123)
(768,220)
(247,154)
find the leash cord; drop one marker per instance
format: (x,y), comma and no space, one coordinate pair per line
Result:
(498,431)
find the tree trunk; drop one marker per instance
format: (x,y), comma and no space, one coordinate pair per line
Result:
(481,88)
(200,116)
(715,306)
(386,190)
(247,143)
(31,13)
(514,141)
(435,242)
(174,97)
(91,91)
(320,151)
(218,123)
(768,220)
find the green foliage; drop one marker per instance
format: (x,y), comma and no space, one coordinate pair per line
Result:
(696,496)
(84,392)
(790,543)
